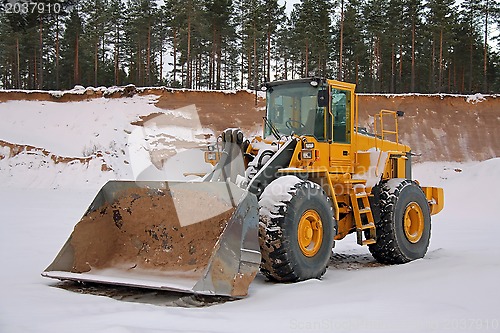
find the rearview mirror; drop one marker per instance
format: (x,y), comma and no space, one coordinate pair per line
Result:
(322,98)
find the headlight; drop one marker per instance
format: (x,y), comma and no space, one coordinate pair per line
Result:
(309,145)
(211,156)
(307,154)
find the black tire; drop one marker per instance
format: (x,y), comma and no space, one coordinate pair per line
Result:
(397,244)
(282,257)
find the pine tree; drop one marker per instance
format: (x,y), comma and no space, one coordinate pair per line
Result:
(414,19)
(441,19)
(312,26)
(9,53)
(285,51)
(252,33)
(116,15)
(468,36)
(219,18)
(139,29)
(490,12)
(71,52)
(355,67)
(273,15)
(374,13)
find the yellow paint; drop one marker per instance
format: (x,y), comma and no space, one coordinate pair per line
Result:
(435,197)
(340,163)
(310,233)
(413,222)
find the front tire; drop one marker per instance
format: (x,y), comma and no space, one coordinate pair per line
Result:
(296,230)
(404,227)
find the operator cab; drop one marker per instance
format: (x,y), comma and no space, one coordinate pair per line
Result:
(309,107)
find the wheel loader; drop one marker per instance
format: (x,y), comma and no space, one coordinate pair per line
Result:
(274,203)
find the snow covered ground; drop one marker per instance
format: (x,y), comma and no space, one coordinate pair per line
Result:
(453,289)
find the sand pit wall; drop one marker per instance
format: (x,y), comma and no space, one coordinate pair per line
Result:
(440,127)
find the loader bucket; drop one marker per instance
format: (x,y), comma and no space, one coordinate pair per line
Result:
(199,237)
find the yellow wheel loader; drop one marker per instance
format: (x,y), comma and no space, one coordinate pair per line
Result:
(276,202)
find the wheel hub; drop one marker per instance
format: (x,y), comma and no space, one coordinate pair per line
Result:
(413,222)
(310,233)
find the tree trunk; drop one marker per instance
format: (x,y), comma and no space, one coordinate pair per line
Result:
(35,71)
(117,57)
(242,70)
(57,52)
(357,71)
(449,80)
(148,57)
(40,65)
(440,76)
(471,55)
(76,69)
(250,66)
(161,61)
(286,68)
(400,79)
(412,84)
(18,63)
(485,67)
(341,52)
(175,55)
(306,74)
(268,74)
(211,63)
(188,60)
(138,71)
(255,70)
(219,61)
(393,68)
(96,60)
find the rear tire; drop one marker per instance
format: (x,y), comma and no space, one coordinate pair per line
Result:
(404,227)
(296,232)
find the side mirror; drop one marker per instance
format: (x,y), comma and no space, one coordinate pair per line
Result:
(322,98)
(400,113)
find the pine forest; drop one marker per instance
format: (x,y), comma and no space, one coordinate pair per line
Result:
(384,46)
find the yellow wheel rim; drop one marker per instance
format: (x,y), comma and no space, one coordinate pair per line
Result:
(413,222)
(310,233)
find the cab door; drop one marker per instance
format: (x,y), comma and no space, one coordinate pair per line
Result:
(341,111)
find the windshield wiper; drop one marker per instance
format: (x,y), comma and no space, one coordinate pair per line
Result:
(274,131)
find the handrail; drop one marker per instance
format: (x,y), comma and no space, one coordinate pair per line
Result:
(383,131)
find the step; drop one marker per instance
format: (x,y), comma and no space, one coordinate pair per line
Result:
(365,210)
(354,181)
(361,241)
(366,226)
(368,241)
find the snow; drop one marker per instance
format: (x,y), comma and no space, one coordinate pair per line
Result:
(86,126)
(374,172)
(102,128)
(454,288)
(279,191)
(474,99)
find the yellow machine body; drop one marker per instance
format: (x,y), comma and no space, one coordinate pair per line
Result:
(349,161)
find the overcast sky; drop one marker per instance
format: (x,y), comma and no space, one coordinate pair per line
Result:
(289,4)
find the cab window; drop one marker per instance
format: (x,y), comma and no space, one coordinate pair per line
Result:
(340,108)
